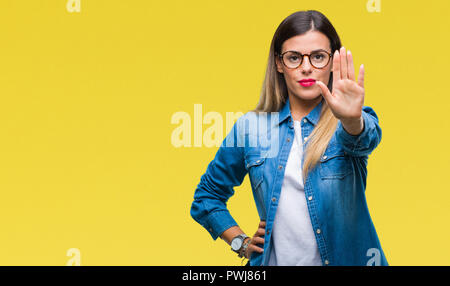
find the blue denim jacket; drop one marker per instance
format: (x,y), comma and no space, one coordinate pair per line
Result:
(334,189)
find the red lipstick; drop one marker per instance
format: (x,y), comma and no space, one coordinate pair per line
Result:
(307,82)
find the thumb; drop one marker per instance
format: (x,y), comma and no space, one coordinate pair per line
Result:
(325,91)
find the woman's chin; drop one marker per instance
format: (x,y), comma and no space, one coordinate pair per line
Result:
(308,96)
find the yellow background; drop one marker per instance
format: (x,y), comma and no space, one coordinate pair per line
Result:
(86,159)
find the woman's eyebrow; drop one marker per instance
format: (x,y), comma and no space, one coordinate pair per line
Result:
(311,51)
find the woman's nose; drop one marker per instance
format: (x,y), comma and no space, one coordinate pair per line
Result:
(306,65)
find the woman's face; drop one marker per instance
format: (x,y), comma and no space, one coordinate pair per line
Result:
(305,44)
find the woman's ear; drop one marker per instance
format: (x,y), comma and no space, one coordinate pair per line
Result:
(278,64)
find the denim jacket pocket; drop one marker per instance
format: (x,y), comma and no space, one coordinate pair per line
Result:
(255,166)
(335,163)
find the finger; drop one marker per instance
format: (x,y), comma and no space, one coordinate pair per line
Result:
(325,91)
(251,249)
(361,76)
(260,232)
(255,248)
(336,67)
(343,59)
(257,240)
(351,68)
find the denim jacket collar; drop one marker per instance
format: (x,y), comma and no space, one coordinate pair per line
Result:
(313,116)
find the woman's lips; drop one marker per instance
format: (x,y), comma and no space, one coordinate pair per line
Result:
(308,82)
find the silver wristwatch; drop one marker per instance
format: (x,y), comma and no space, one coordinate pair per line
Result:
(237,242)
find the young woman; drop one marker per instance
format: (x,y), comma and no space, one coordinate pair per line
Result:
(308,176)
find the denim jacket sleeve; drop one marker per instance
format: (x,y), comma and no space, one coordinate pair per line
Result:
(216,186)
(364,143)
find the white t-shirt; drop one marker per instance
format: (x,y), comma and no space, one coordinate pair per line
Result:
(294,242)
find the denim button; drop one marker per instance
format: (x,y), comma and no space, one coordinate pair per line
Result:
(304,120)
(324,157)
(289,140)
(280,167)
(274,199)
(318,231)
(310,198)
(306,138)
(327,262)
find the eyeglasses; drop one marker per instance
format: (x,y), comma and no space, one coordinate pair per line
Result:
(318,59)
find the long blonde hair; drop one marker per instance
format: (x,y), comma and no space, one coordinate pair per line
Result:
(274,90)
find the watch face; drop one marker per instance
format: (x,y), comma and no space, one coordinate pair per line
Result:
(236,243)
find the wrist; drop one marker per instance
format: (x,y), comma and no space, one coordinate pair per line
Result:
(353,126)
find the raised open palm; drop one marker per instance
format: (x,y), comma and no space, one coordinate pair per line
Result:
(347,99)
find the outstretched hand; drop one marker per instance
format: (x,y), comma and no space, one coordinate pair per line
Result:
(347,99)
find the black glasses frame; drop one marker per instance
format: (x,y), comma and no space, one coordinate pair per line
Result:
(302,56)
